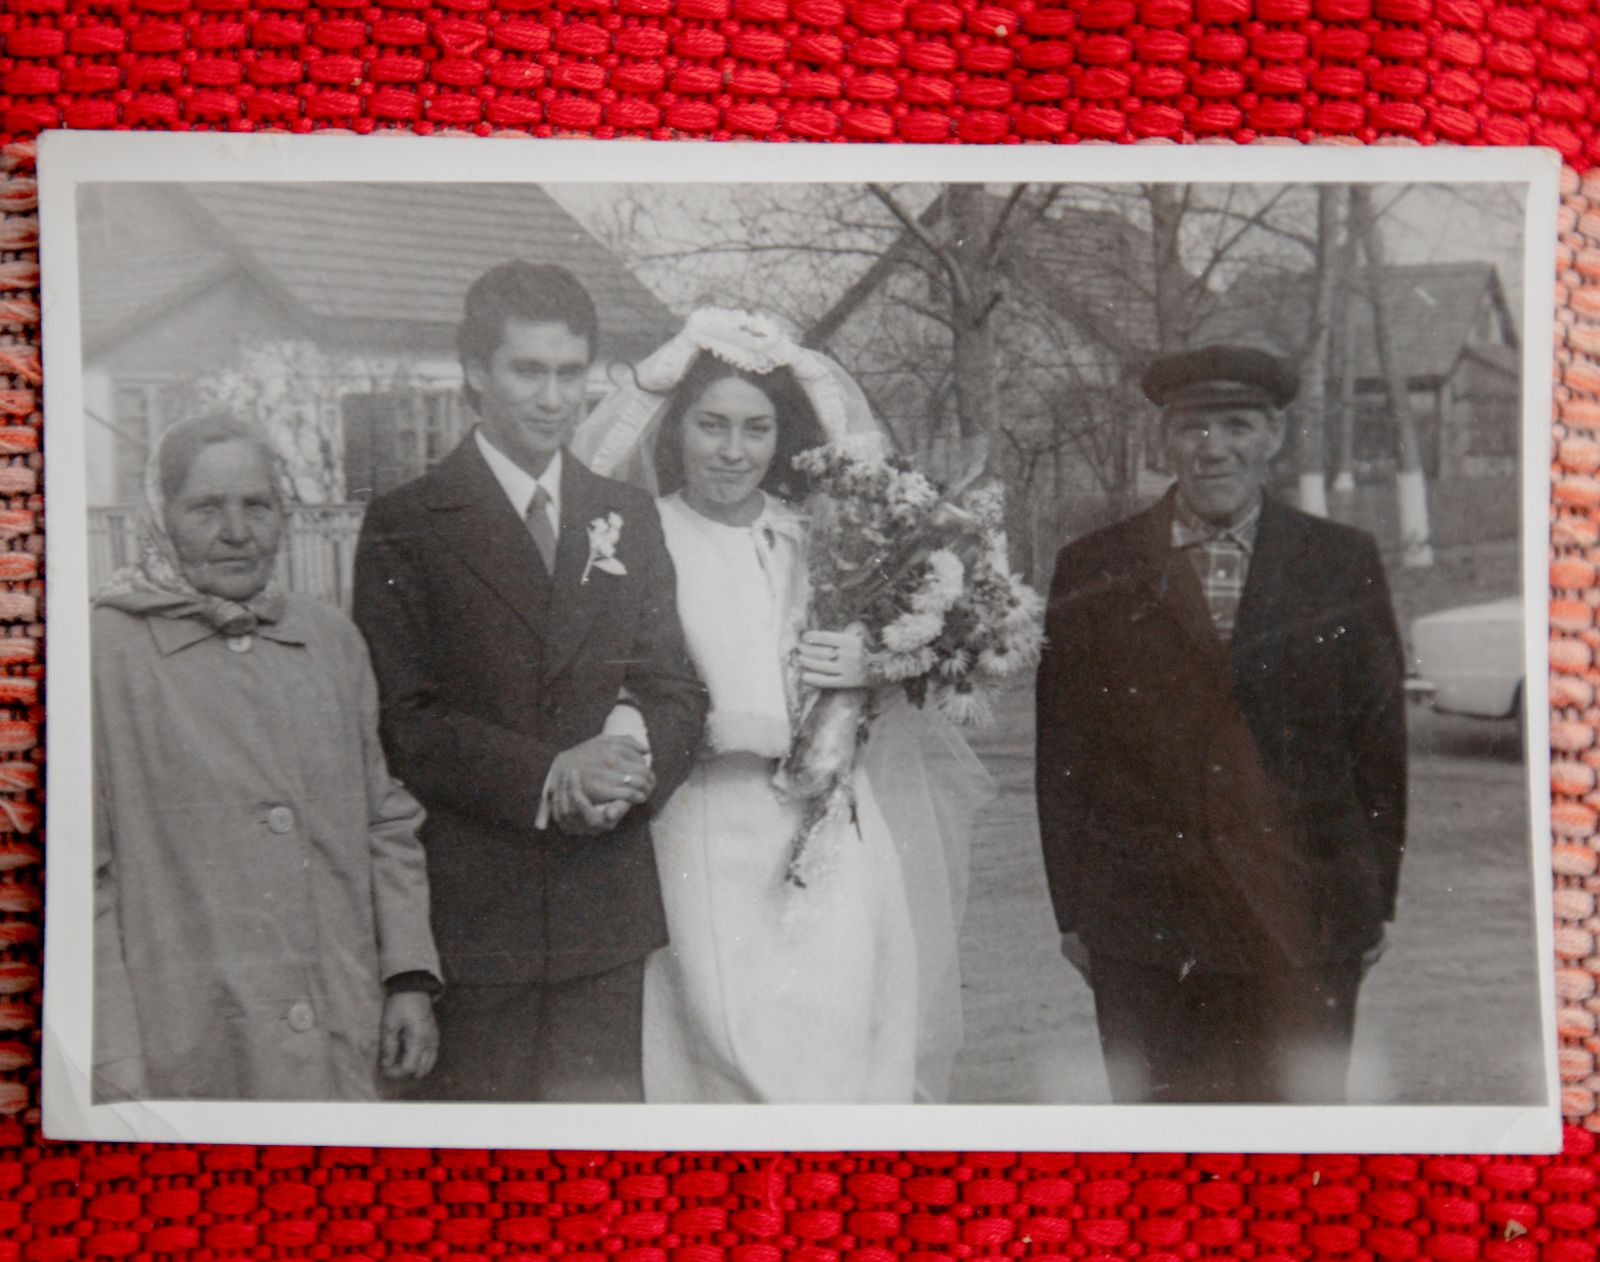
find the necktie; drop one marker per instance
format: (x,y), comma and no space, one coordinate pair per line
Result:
(544,535)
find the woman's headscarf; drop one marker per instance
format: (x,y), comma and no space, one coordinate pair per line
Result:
(154,585)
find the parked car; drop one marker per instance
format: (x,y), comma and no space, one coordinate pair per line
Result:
(1470,659)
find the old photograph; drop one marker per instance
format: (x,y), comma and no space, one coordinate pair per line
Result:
(553,641)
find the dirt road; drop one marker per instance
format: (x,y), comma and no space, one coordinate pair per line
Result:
(1450,1014)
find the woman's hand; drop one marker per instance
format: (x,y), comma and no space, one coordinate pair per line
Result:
(834,659)
(410,1041)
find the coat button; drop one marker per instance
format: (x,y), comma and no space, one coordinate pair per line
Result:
(301,1017)
(240,643)
(280,819)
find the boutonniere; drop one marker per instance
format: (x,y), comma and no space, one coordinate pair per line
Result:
(604,532)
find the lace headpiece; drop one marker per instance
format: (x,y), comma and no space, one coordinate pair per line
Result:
(620,432)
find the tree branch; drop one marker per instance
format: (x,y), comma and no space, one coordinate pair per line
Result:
(920,234)
(995,235)
(1256,220)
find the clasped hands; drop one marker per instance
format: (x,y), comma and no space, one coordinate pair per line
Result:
(595,784)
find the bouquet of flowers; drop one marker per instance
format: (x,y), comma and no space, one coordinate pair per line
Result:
(922,572)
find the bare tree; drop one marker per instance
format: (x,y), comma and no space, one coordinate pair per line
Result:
(994,328)
(1167,208)
(1342,359)
(1311,405)
(966,253)
(294,391)
(1410,485)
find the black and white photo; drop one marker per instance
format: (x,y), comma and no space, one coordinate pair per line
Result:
(566,643)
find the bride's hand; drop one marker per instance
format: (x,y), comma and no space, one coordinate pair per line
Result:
(834,659)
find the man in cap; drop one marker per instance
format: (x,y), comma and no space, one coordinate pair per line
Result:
(1222,760)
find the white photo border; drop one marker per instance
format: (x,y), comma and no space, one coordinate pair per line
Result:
(68,159)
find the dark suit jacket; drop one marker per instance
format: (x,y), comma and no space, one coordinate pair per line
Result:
(1229,807)
(487,669)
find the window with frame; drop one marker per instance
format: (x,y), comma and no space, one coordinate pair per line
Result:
(135,421)
(392,437)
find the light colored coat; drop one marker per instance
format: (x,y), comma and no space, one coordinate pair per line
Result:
(257,872)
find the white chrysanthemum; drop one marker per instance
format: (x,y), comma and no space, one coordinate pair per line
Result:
(1028,606)
(895,668)
(945,581)
(910,631)
(1027,645)
(950,568)
(956,665)
(1000,661)
(812,462)
(966,707)
(914,490)
(986,502)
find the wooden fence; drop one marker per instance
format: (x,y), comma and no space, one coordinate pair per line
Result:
(316,558)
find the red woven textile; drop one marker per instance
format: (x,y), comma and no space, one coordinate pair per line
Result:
(928,70)
(1423,70)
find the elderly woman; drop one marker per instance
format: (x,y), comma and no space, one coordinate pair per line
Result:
(261,903)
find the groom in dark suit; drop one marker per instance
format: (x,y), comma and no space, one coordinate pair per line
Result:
(510,597)
(1222,761)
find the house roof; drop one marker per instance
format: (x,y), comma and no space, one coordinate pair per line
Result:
(373,260)
(1434,309)
(1506,359)
(140,249)
(1095,269)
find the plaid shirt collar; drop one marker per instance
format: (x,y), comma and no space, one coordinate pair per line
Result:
(1188,529)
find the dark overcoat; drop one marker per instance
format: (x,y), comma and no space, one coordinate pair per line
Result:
(1227,807)
(487,668)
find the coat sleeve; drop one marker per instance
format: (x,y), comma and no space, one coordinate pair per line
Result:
(399,866)
(118,1050)
(1061,778)
(448,757)
(1376,717)
(660,677)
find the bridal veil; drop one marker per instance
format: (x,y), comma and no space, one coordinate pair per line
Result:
(925,779)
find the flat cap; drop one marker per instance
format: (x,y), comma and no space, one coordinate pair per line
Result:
(1221,375)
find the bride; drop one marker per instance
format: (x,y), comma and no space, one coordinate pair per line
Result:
(845,990)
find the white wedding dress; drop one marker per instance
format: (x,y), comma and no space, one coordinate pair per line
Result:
(769,993)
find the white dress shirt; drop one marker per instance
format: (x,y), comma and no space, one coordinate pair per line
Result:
(519,484)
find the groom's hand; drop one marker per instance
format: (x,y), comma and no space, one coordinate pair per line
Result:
(580,816)
(595,783)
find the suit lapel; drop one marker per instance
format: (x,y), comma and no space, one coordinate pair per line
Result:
(1181,598)
(574,603)
(470,511)
(1261,605)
